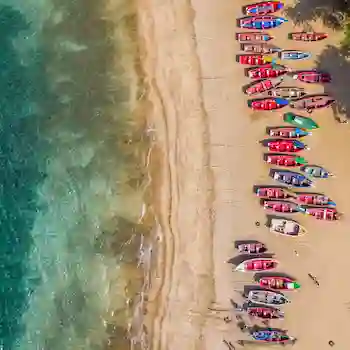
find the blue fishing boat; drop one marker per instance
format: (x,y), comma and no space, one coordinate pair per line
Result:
(272,336)
(294,55)
(263,8)
(261,22)
(291,178)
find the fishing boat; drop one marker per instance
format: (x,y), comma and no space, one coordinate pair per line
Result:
(287,160)
(285,227)
(251,248)
(286,146)
(279,206)
(313,199)
(316,171)
(309,103)
(267,104)
(300,121)
(307,36)
(287,132)
(313,77)
(262,86)
(272,336)
(278,282)
(261,22)
(257,264)
(291,178)
(320,213)
(262,8)
(253,37)
(259,48)
(267,71)
(287,92)
(259,311)
(267,297)
(294,55)
(273,192)
(252,59)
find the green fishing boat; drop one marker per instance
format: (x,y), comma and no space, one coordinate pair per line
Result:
(300,121)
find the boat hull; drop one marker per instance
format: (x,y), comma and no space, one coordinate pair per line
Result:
(257,265)
(278,283)
(251,248)
(259,48)
(267,104)
(287,92)
(253,37)
(269,298)
(309,103)
(292,179)
(300,121)
(313,77)
(261,22)
(289,228)
(285,160)
(313,199)
(262,8)
(262,86)
(288,132)
(327,214)
(267,71)
(286,146)
(307,36)
(294,55)
(272,193)
(281,206)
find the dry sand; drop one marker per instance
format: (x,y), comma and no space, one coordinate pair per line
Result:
(208,159)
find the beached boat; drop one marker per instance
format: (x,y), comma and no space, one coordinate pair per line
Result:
(285,227)
(273,192)
(267,104)
(267,71)
(313,77)
(307,36)
(311,102)
(257,264)
(291,178)
(262,86)
(267,297)
(279,206)
(259,311)
(262,8)
(252,248)
(286,160)
(253,59)
(261,22)
(253,37)
(259,48)
(320,213)
(278,282)
(272,336)
(294,55)
(287,92)
(313,199)
(300,121)
(286,146)
(287,132)
(316,171)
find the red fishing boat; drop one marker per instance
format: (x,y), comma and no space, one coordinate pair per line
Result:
(253,37)
(313,199)
(251,248)
(328,214)
(257,264)
(266,71)
(287,132)
(312,102)
(262,86)
(252,60)
(262,8)
(286,146)
(267,104)
(273,192)
(278,283)
(307,36)
(287,160)
(313,77)
(281,206)
(259,48)
(267,313)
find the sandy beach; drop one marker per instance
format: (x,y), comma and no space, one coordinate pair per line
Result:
(208,160)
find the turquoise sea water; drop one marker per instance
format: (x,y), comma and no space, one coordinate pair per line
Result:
(65,176)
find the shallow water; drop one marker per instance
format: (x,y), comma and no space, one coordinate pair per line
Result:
(71,185)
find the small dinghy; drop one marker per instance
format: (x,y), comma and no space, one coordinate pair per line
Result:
(267,297)
(253,59)
(328,214)
(272,336)
(287,132)
(286,146)
(267,104)
(312,77)
(286,160)
(273,192)
(261,22)
(279,206)
(316,171)
(253,37)
(267,71)
(294,55)
(259,48)
(300,121)
(309,103)
(278,282)
(259,311)
(262,86)
(291,178)
(307,36)
(287,92)
(252,248)
(257,264)
(285,227)
(262,8)
(313,199)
